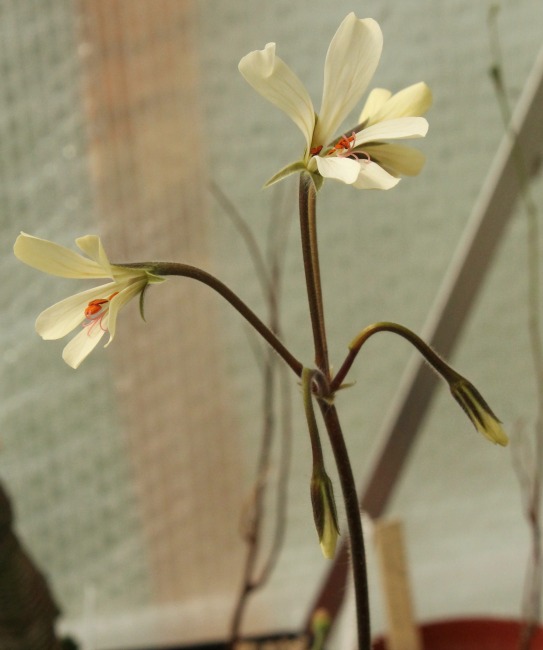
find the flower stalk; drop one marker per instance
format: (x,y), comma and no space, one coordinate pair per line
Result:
(463,391)
(310,253)
(195,273)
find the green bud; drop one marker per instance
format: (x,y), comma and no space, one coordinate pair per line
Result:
(324,512)
(321,622)
(478,411)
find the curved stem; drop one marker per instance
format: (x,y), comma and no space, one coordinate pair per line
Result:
(354,348)
(310,252)
(193,272)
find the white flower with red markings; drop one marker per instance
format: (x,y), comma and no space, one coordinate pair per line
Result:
(361,157)
(94,310)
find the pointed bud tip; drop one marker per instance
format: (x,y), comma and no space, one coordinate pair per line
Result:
(479,412)
(325,514)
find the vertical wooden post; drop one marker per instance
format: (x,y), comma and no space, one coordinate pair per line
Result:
(403,633)
(145,139)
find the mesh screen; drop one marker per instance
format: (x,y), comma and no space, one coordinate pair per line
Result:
(98,111)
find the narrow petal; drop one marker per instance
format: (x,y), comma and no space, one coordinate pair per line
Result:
(399,129)
(397,158)
(79,348)
(92,246)
(119,301)
(342,169)
(352,58)
(412,101)
(376,99)
(64,316)
(275,81)
(54,259)
(373,177)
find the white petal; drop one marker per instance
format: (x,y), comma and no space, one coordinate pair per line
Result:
(397,158)
(119,301)
(374,177)
(376,99)
(64,316)
(342,169)
(399,129)
(275,81)
(412,101)
(92,246)
(350,63)
(54,259)
(79,348)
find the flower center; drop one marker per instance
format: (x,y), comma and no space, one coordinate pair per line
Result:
(95,312)
(344,145)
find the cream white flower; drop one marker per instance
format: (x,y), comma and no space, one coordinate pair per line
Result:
(361,157)
(95,309)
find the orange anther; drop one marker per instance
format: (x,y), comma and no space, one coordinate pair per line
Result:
(96,307)
(345,142)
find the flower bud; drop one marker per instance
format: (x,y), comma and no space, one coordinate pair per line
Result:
(321,621)
(324,512)
(478,411)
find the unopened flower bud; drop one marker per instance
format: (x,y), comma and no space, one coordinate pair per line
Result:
(478,411)
(324,513)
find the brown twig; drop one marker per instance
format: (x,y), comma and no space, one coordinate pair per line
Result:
(269,272)
(530,475)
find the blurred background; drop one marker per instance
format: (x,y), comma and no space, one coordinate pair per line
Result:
(128,477)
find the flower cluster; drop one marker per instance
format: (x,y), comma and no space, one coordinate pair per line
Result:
(361,157)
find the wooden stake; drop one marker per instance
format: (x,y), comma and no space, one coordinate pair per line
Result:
(403,633)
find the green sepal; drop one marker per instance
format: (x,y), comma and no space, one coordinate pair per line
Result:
(292,168)
(153,278)
(142,300)
(317,179)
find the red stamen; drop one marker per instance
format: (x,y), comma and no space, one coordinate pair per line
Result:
(315,150)
(95,307)
(96,310)
(345,142)
(344,145)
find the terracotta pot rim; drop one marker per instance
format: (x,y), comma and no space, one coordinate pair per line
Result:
(472,633)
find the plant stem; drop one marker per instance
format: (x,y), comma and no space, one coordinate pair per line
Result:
(354,523)
(193,272)
(310,252)
(269,270)
(308,230)
(355,346)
